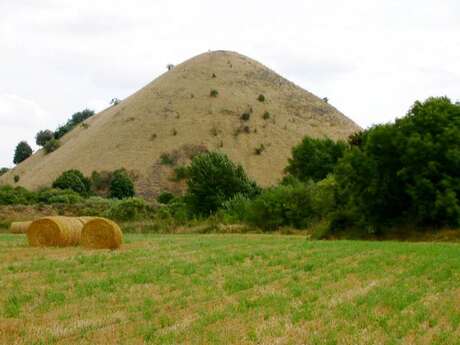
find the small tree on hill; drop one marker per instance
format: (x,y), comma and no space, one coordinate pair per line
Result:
(315,158)
(213,179)
(43,137)
(22,152)
(73,180)
(121,186)
(52,145)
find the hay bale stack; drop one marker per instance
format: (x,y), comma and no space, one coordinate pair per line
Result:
(19,227)
(56,231)
(101,233)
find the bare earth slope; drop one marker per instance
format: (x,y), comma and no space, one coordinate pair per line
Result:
(176,115)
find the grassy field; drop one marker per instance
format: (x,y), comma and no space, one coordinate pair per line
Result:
(230,289)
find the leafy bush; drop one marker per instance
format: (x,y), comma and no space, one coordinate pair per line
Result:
(259,149)
(76,119)
(176,212)
(261,98)
(407,171)
(121,185)
(165,197)
(16,178)
(214,93)
(16,196)
(58,196)
(282,206)
(22,152)
(168,159)
(3,171)
(73,180)
(214,179)
(43,137)
(266,115)
(130,209)
(236,209)
(245,116)
(180,173)
(297,205)
(51,145)
(315,158)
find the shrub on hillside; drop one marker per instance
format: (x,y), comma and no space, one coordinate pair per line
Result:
(73,180)
(58,196)
(121,185)
(3,171)
(76,119)
(16,196)
(22,152)
(245,116)
(407,171)
(261,98)
(130,209)
(214,179)
(315,158)
(51,145)
(43,137)
(165,197)
(214,93)
(169,158)
(180,173)
(236,209)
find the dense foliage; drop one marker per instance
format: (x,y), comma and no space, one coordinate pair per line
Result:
(73,180)
(76,119)
(52,145)
(130,209)
(213,179)
(22,152)
(3,171)
(390,176)
(408,171)
(43,137)
(121,185)
(165,198)
(315,158)
(21,196)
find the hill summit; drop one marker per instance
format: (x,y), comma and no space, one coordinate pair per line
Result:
(220,101)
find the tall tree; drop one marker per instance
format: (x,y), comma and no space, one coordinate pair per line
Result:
(22,152)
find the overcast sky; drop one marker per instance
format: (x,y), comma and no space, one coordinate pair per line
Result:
(371,58)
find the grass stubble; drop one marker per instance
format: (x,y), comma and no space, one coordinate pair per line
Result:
(230,289)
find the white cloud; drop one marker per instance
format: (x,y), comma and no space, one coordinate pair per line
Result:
(371,58)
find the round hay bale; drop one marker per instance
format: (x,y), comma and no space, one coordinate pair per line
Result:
(101,233)
(56,231)
(19,227)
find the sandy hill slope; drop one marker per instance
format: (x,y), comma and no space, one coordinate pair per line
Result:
(175,116)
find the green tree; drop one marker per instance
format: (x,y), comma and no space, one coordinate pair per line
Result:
(121,185)
(76,119)
(52,145)
(3,171)
(408,171)
(315,158)
(43,137)
(73,180)
(22,152)
(213,179)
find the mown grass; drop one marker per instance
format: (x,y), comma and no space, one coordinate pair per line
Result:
(230,289)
